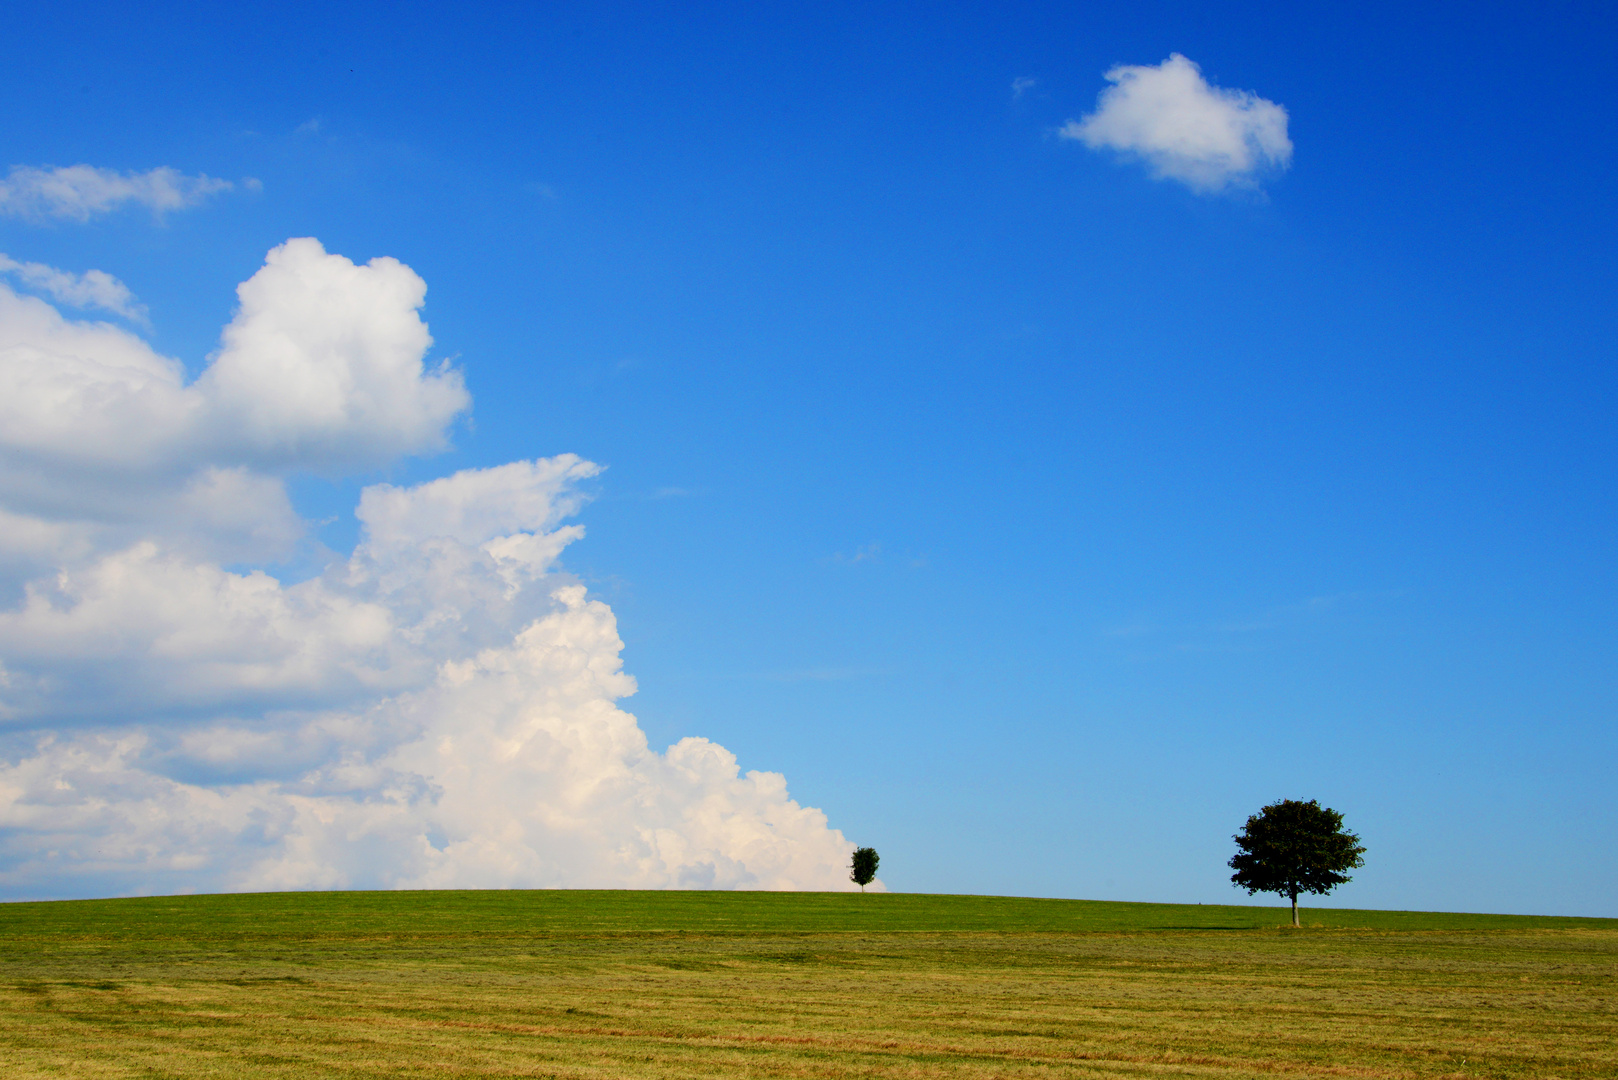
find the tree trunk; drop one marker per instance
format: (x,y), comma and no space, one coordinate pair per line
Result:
(1294,909)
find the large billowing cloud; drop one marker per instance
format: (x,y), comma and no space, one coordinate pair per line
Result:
(105,442)
(438,708)
(1204,136)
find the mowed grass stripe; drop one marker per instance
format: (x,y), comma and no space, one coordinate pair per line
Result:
(588,984)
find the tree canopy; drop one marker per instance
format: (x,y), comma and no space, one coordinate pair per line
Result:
(1292,847)
(862,870)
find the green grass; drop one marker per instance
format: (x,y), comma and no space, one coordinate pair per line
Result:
(688,984)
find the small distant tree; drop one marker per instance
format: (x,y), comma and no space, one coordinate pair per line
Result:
(1291,847)
(862,870)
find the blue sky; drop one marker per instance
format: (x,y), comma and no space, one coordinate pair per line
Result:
(1037,517)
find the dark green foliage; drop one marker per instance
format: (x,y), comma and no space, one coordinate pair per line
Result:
(862,870)
(1293,847)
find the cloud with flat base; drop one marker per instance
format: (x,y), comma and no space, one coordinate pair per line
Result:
(439,708)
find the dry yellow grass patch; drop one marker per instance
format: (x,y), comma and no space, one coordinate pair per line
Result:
(549,985)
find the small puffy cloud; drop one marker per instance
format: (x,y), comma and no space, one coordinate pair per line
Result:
(91,289)
(1185,129)
(80,192)
(1021,85)
(439,708)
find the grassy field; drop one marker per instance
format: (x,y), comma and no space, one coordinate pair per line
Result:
(632,984)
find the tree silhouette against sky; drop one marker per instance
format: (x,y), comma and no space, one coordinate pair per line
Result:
(1292,847)
(862,870)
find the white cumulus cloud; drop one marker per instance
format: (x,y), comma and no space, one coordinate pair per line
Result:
(1185,129)
(322,365)
(80,192)
(439,708)
(321,369)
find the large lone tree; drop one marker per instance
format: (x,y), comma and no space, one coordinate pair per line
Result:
(1291,847)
